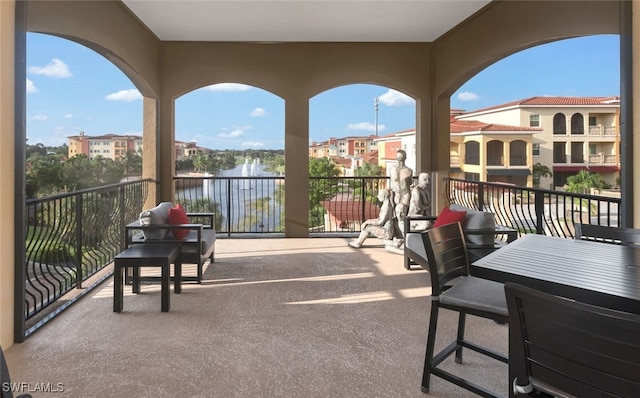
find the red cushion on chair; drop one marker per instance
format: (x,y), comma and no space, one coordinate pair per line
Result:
(177,215)
(448,216)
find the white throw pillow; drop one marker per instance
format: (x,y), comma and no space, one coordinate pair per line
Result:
(476,219)
(155,216)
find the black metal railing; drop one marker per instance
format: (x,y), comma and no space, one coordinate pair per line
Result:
(249,205)
(340,204)
(71,237)
(532,210)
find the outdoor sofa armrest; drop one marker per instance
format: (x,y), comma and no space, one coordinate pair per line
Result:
(409,219)
(132,237)
(502,233)
(209,217)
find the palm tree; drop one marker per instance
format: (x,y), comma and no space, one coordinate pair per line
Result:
(199,162)
(584,181)
(540,170)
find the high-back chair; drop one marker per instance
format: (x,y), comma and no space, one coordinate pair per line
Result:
(453,288)
(567,348)
(602,233)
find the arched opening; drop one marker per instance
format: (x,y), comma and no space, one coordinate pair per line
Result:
(518,153)
(355,133)
(498,95)
(559,124)
(230,138)
(472,153)
(495,153)
(577,123)
(73,94)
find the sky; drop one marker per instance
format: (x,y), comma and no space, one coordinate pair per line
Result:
(71,88)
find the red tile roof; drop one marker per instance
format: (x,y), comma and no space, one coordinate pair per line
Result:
(467,126)
(350,210)
(554,101)
(370,157)
(345,161)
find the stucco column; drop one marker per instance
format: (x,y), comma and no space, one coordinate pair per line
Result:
(424,131)
(506,154)
(7,167)
(440,151)
(150,139)
(296,168)
(166,155)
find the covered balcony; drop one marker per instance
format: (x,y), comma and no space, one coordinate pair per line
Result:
(348,322)
(273,318)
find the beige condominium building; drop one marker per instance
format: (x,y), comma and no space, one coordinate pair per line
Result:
(114,146)
(478,151)
(110,146)
(574,133)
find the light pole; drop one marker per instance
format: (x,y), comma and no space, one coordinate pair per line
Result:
(376,106)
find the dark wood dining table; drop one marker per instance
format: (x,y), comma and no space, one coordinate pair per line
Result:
(602,274)
(597,273)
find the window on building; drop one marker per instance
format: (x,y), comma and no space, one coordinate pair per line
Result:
(559,124)
(472,152)
(472,176)
(534,120)
(593,120)
(577,152)
(495,153)
(577,123)
(559,152)
(518,153)
(536,150)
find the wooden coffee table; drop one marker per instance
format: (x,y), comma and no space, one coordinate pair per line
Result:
(147,255)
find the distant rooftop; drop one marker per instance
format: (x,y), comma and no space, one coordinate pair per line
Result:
(553,101)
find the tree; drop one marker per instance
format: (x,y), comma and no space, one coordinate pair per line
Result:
(540,170)
(34,150)
(584,181)
(369,170)
(199,162)
(132,162)
(43,176)
(321,188)
(369,187)
(322,167)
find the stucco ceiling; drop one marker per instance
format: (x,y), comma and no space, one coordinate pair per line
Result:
(302,20)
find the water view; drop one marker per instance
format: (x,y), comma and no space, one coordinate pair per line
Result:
(246,197)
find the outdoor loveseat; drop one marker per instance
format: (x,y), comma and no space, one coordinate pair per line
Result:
(482,234)
(167,223)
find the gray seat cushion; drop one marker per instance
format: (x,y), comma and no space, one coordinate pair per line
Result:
(477,293)
(208,240)
(413,241)
(475,219)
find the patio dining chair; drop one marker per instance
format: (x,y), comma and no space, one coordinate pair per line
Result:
(603,233)
(453,288)
(566,348)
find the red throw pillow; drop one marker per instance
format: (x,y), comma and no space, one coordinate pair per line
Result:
(177,215)
(448,216)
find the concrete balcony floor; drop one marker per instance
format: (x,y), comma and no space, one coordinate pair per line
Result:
(273,318)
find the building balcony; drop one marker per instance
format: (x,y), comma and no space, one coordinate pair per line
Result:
(604,131)
(603,159)
(272,314)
